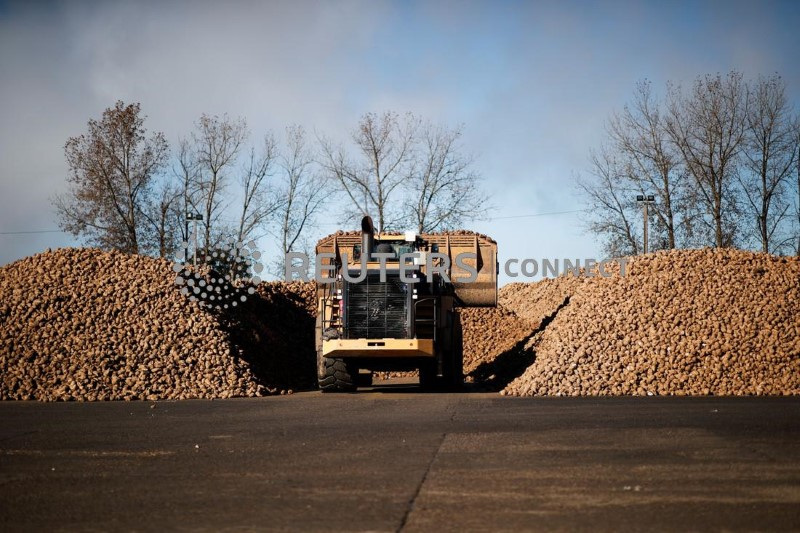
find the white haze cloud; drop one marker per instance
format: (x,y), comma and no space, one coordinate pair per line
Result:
(532,83)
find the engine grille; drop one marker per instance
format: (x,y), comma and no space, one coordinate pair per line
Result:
(377,310)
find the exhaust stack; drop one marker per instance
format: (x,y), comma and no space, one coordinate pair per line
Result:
(367,236)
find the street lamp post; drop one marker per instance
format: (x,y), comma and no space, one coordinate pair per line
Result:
(645,200)
(194,217)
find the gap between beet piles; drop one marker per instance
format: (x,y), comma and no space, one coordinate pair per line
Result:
(512,363)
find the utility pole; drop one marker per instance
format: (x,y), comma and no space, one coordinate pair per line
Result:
(645,201)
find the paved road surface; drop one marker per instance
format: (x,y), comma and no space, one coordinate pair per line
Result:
(394,459)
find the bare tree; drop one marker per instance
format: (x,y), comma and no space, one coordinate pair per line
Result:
(639,136)
(217,142)
(384,151)
(707,127)
(611,209)
(164,219)
(302,193)
(257,204)
(770,157)
(444,189)
(186,173)
(111,168)
(797,188)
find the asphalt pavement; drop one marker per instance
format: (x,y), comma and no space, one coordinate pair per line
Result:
(392,459)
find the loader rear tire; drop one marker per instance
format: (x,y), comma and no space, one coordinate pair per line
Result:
(456,370)
(428,380)
(452,378)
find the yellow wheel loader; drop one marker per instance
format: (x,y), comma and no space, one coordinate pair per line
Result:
(389,301)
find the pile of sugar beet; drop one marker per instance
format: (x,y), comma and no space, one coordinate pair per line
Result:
(683,322)
(83,324)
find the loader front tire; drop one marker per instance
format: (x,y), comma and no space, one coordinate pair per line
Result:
(336,375)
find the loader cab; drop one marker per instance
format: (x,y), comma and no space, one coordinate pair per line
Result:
(394,246)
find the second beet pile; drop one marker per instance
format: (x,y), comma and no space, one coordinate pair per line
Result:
(722,322)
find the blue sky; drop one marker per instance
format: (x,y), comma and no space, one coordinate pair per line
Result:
(532,82)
